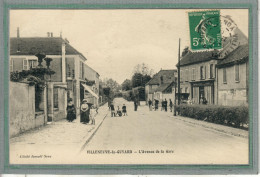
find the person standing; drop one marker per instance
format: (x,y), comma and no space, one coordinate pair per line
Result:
(135,104)
(93,112)
(171,105)
(156,105)
(165,105)
(84,111)
(112,108)
(124,110)
(162,104)
(71,111)
(150,104)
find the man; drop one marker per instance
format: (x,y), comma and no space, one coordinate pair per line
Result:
(150,104)
(165,105)
(171,105)
(112,108)
(135,104)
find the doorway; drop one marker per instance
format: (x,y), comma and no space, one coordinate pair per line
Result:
(201,94)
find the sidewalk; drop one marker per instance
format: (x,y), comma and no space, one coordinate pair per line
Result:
(61,135)
(215,127)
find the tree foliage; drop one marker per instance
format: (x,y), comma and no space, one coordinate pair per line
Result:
(127,85)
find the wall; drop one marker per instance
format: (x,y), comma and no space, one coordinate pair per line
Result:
(233,93)
(186,77)
(22,109)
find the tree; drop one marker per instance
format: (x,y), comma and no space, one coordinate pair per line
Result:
(140,80)
(112,84)
(126,85)
(143,69)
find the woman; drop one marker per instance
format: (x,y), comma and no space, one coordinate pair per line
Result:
(71,111)
(84,112)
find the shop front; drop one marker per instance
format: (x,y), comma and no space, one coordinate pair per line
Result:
(202,90)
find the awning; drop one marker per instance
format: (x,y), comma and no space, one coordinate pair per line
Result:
(89,90)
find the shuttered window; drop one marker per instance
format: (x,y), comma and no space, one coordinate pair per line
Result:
(211,71)
(25,64)
(224,75)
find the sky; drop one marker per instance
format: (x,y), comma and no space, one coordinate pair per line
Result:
(114,41)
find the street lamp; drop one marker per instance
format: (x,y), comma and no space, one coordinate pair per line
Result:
(40,56)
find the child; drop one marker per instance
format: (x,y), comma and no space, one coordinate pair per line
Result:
(124,109)
(119,112)
(93,113)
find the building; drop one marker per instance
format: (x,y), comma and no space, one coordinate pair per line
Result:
(160,86)
(198,77)
(72,75)
(232,74)
(204,74)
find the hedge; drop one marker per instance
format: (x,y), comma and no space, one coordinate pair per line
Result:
(236,116)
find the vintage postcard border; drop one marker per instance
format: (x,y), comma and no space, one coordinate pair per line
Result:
(135,169)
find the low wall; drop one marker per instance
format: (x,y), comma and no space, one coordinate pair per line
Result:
(22,109)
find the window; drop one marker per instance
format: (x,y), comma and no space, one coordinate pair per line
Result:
(186,75)
(224,75)
(205,72)
(81,70)
(25,64)
(11,65)
(193,74)
(181,75)
(201,72)
(31,63)
(237,73)
(211,75)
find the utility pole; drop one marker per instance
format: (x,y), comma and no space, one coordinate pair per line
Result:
(178,67)
(179,87)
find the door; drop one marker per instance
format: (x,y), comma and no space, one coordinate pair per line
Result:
(201,94)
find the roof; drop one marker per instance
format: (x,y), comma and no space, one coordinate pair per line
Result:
(163,87)
(197,57)
(168,77)
(47,45)
(240,54)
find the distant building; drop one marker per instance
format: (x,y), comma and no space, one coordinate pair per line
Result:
(160,86)
(71,76)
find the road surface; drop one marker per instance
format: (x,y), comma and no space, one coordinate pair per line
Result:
(157,137)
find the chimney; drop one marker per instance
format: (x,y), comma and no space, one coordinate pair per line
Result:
(60,34)
(63,61)
(48,34)
(18,32)
(51,34)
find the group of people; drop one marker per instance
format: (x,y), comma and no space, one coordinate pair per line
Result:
(87,112)
(164,105)
(119,112)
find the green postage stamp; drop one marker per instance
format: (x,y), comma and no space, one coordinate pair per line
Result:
(205,30)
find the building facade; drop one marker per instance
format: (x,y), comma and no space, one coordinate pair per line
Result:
(71,70)
(160,86)
(233,78)
(219,76)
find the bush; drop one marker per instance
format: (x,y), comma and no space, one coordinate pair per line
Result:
(236,116)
